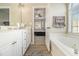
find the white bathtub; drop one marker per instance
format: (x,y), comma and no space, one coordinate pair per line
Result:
(63,44)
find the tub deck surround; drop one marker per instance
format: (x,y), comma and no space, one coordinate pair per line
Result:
(62,49)
(64,43)
(39,48)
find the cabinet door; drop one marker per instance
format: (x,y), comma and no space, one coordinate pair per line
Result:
(19,43)
(9,50)
(24,42)
(28,38)
(24,46)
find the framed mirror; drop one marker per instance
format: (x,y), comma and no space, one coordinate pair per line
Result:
(4,16)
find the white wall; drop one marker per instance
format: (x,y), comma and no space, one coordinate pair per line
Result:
(54,9)
(69,18)
(15,10)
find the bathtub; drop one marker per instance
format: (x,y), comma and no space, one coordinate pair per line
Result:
(64,44)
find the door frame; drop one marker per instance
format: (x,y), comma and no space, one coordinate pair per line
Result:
(33,22)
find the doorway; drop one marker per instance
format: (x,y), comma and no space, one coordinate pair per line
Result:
(39,25)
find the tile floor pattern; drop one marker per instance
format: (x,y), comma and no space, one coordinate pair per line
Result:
(38,49)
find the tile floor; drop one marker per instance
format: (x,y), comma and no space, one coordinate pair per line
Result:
(39,48)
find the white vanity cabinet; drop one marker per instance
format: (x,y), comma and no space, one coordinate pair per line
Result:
(19,42)
(15,42)
(11,43)
(9,49)
(24,41)
(8,43)
(28,38)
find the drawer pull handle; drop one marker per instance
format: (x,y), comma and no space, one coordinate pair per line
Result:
(13,43)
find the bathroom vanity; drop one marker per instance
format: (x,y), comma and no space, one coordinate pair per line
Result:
(14,42)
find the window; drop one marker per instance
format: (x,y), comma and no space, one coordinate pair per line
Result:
(75,18)
(4,16)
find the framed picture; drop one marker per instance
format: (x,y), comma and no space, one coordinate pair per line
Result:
(59,21)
